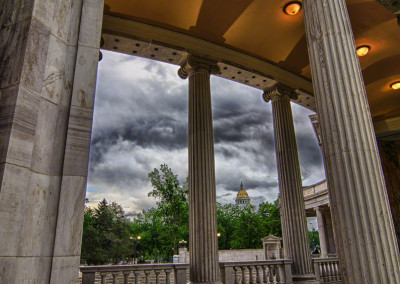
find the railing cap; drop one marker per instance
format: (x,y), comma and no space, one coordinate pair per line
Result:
(255,262)
(138,267)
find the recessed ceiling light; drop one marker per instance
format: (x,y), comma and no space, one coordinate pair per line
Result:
(395,85)
(363,50)
(292,8)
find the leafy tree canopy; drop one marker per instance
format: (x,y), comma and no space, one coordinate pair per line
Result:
(107,231)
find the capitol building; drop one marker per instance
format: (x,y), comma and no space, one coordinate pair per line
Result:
(242,198)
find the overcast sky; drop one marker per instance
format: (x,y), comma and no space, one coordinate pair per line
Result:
(140,122)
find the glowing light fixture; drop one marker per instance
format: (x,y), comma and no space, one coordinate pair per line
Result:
(292,8)
(395,85)
(363,50)
(218,235)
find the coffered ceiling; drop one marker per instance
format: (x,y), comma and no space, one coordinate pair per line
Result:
(260,29)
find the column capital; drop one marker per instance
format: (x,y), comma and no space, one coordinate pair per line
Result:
(195,63)
(279,91)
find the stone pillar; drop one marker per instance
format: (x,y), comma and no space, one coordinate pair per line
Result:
(182,255)
(202,193)
(330,232)
(321,233)
(40,70)
(293,216)
(364,229)
(71,204)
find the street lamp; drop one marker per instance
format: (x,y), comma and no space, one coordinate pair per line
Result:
(182,244)
(135,240)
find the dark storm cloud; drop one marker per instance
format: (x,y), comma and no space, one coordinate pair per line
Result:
(310,156)
(252,184)
(141,119)
(161,130)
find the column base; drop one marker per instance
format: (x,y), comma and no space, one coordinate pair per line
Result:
(305,279)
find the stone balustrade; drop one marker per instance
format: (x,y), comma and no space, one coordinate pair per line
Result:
(153,273)
(327,270)
(318,188)
(267,271)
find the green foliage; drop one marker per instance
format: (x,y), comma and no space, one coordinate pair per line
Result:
(107,232)
(244,229)
(271,218)
(313,238)
(172,206)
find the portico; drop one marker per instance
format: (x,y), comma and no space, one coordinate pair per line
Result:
(48,65)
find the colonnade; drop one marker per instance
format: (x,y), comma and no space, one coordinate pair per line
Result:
(359,202)
(40,241)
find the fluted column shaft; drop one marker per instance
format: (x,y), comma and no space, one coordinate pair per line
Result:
(363,225)
(293,216)
(204,267)
(321,232)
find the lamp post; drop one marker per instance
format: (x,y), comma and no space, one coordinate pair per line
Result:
(135,240)
(182,244)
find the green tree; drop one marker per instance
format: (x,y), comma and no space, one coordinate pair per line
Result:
(106,233)
(313,238)
(172,204)
(90,240)
(248,231)
(120,236)
(227,219)
(270,218)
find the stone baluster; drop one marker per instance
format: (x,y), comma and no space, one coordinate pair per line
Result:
(293,216)
(115,277)
(137,273)
(126,276)
(243,268)
(339,275)
(147,276)
(103,276)
(157,272)
(204,266)
(236,269)
(251,269)
(367,246)
(258,271)
(167,276)
(266,274)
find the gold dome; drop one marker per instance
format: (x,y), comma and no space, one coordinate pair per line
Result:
(242,194)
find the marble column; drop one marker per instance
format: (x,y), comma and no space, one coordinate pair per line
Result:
(321,232)
(71,203)
(293,216)
(330,232)
(364,229)
(42,46)
(204,267)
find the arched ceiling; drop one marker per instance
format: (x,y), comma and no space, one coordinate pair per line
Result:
(259,28)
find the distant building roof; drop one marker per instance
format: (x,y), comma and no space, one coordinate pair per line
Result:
(242,195)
